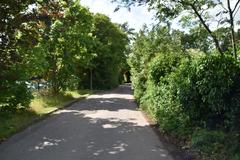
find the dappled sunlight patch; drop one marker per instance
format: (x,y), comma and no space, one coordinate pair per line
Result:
(115,148)
(163,155)
(66,111)
(97,129)
(111,125)
(90,145)
(46,143)
(122,115)
(106,101)
(112,96)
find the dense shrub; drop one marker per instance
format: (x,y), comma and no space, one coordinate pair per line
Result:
(208,141)
(106,77)
(15,96)
(139,83)
(163,65)
(187,94)
(14,93)
(215,144)
(160,98)
(209,92)
(191,95)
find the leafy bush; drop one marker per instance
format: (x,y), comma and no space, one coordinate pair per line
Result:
(210,144)
(193,96)
(14,93)
(208,141)
(163,65)
(160,95)
(210,93)
(16,96)
(139,83)
(216,145)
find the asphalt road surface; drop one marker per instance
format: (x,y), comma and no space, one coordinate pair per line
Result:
(105,126)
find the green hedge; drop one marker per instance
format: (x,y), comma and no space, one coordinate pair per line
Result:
(210,92)
(187,95)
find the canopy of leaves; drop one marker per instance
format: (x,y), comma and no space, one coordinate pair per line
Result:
(56,41)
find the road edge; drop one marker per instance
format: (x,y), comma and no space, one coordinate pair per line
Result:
(175,150)
(45,116)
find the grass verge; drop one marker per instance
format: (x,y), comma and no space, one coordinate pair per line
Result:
(41,105)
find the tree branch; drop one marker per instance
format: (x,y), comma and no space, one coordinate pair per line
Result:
(236,5)
(207,28)
(231,21)
(236,11)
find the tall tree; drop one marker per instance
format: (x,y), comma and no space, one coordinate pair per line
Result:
(232,13)
(110,49)
(170,9)
(20,31)
(66,46)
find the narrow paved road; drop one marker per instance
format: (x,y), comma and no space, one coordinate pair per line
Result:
(104,126)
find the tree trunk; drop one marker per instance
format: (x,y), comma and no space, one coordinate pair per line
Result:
(91,80)
(233,38)
(55,83)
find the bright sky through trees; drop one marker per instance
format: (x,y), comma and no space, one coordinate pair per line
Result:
(138,16)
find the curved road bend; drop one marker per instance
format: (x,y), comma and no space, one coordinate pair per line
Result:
(104,126)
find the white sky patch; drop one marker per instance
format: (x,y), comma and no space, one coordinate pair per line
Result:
(139,15)
(136,18)
(214,21)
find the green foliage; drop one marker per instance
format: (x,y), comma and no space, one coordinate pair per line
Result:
(136,61)
(67,45)
(191,95)
(216,144)
(59,42)
(13,91)
(210,95)
(21,29)
(209,142)
(16,96)
(196,13)
(110,54)
(161,94)
(11,122)
(149,44)
(198,38)
(161,66)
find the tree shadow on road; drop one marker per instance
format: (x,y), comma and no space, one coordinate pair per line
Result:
(102,127)
(103,138)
